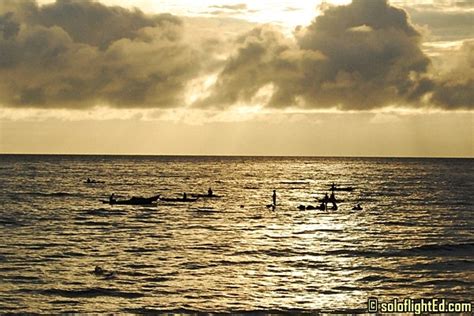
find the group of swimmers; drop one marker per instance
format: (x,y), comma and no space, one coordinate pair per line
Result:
(324,202)
(327,199)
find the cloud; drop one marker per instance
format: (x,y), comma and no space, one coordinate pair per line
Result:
(264,57)
(444,23)
(8,27)
(229,10)
(360,56)
(222,13)
(238,6)
(455,88)
(76,54)
(465,4)
(292,9)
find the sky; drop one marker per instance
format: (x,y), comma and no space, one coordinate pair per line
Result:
(310,78)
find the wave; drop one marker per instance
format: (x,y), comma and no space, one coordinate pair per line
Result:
(312,231)
(448,265)
(249,187)
(94,223)
(140,250)
(431,250)
(261,311)
(197,265)
(156,279)
(397,223)
(443,283)
(103,211)
(126,183)
(73,254)
(90,292)
(308,264)
(446,249)
(10,222)
(65,302)
(23,279)
(295,182)
(48,194)
(234,263)
(139,266)
(373,278)
(357,253)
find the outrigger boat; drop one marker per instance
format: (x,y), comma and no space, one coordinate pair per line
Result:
(178,199)
(151,201)
(206,196)
(336,188)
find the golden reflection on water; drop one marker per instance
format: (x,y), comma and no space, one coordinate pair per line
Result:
(176,257)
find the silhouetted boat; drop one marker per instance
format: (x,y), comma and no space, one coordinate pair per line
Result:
(336,188)
(151,201)
(310,207)
(93,182)
(206,196)
(178,199)
(329,201)
(128,202)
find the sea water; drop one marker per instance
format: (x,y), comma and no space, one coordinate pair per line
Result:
(414,237)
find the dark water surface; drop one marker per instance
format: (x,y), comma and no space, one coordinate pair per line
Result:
(414,238)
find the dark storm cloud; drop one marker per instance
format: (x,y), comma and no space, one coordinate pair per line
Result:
(76,53)
(455,89)
(360,56)
(80,53)
(8,27)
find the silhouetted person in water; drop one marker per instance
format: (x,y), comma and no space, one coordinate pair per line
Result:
(88,180)
(326,201)
(112,198)
(98,270)
(332,199)
(274,198)
(209,192)
(184,196)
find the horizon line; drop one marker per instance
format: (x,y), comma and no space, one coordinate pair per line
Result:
(228,155)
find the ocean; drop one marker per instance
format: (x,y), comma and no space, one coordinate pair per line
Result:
(414,237)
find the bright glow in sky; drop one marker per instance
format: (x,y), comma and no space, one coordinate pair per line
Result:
(286,13)
(248,127)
